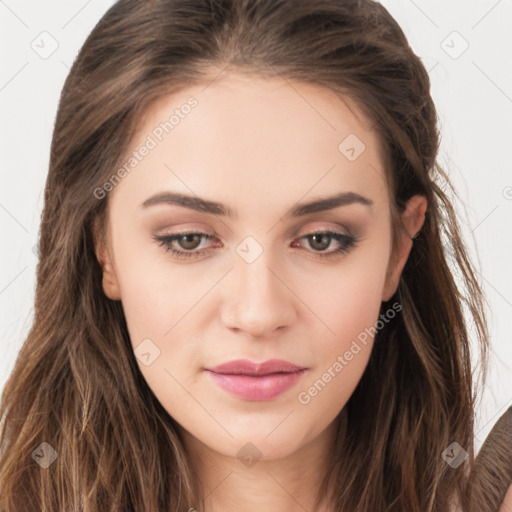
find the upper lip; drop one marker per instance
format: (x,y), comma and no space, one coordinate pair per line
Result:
(246,367)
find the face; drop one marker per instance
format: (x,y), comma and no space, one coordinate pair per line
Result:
(221,246)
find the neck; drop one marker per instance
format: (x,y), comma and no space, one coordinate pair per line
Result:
(288,484)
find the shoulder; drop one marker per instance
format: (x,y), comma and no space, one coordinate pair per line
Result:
(506,506)
(492,473)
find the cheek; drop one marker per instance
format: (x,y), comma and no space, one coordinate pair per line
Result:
(342,351)
(349,301)
(349,309)
(161,303)
(155,293)
(353,310)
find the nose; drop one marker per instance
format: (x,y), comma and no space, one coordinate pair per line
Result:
(257,299)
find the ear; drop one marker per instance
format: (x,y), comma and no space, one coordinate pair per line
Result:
(101,249)
(413,218)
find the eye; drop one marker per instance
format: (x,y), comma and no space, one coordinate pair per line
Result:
(321,240)
(185,245)
(188,241)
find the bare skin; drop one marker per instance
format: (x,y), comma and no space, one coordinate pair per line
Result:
(259,146)
(507,502)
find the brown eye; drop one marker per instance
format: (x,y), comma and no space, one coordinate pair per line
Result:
(319,241)
(189,241)
(184,245)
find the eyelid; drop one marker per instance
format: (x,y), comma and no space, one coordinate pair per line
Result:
(346,242)
(323,229)
(320,229)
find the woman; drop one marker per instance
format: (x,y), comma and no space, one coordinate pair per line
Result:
(245,296)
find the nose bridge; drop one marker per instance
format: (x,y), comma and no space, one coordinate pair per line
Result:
(261,302)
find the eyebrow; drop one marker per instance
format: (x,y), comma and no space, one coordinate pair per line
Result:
(215,208)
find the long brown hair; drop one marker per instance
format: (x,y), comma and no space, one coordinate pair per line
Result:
(76,385)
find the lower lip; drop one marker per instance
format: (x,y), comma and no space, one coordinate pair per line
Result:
(255,388)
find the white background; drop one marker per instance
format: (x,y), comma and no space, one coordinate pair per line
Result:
(472,91)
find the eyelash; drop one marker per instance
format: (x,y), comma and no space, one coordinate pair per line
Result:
(347,242)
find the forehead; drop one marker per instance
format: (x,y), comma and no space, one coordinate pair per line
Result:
(249,138)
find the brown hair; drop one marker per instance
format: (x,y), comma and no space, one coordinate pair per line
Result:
(76,384)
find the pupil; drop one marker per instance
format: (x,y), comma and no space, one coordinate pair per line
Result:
(189,239)
(317,238)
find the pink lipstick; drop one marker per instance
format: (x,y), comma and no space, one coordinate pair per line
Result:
(256,381)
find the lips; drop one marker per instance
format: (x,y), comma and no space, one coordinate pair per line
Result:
(246,367)
(256,381)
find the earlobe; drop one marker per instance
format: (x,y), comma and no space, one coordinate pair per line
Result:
(413,218)
(109,281)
